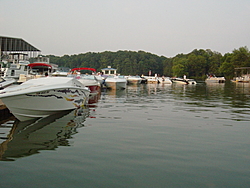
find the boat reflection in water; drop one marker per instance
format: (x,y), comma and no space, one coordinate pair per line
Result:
(28,138)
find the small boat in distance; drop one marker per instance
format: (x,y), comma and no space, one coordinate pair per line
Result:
(165,80)
(213,79)
(191,81)
(243,76)
(184,81)
(41,97)
(134,79)
(180,81)
(152,79)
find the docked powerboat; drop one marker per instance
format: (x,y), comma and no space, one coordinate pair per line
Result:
(214,79)
(14,70)
(37,98)
(88,80)
(180,81)
(165,80)
(243,76)
(191,81)
(134,79)
(116,82)
(6,82)
(152,80)
(61,72)
(241,79)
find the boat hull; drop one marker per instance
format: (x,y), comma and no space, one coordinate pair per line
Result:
(134,79)
(117,82)
(93,85)
(165,81)
(180,81)
(215,80)
(115,85)
(152,80)
(45,103)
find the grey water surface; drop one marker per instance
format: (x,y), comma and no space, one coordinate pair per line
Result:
(143,136)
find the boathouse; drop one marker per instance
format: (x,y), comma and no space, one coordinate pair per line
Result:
(12,50)
(10,45)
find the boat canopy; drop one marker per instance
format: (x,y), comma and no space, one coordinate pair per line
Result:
(39,65)
(83,68)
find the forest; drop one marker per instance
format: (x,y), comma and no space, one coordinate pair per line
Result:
(196,64)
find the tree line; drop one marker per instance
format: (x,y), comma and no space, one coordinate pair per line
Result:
(196,64)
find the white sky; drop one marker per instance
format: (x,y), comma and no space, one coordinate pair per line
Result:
(162,27)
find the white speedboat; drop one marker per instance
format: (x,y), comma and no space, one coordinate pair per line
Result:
(165,80)
(89,81)
(191,81)
(180,81)
(214,79)
(134,79)
(42,97)
(116,82)
(6,82)
(152,80)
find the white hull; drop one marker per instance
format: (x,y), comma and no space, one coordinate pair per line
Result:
(180,81)
(134,79)
(242,79)
(44,101)
(165,81)
(191,81)
(215,80)
(152,80)
(116,83)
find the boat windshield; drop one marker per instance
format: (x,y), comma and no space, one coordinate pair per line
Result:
(88,76)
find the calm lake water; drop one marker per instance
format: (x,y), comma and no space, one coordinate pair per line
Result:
(144,136)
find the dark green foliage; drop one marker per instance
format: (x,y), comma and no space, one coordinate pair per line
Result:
(126,62)
(195,64)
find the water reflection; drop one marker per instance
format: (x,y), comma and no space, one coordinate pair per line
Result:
(118,96)
(28,138)
(228,101)
(242,88)
(220,101)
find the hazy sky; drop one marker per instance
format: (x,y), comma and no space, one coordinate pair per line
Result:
(162,27)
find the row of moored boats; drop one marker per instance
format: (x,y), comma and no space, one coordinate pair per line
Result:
(41,92)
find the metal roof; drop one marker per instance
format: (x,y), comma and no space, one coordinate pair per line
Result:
(108,69)
(9,44)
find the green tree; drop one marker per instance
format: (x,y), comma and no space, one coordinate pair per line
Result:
(241,57)
(196,65)
(227,69)
(179,67)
